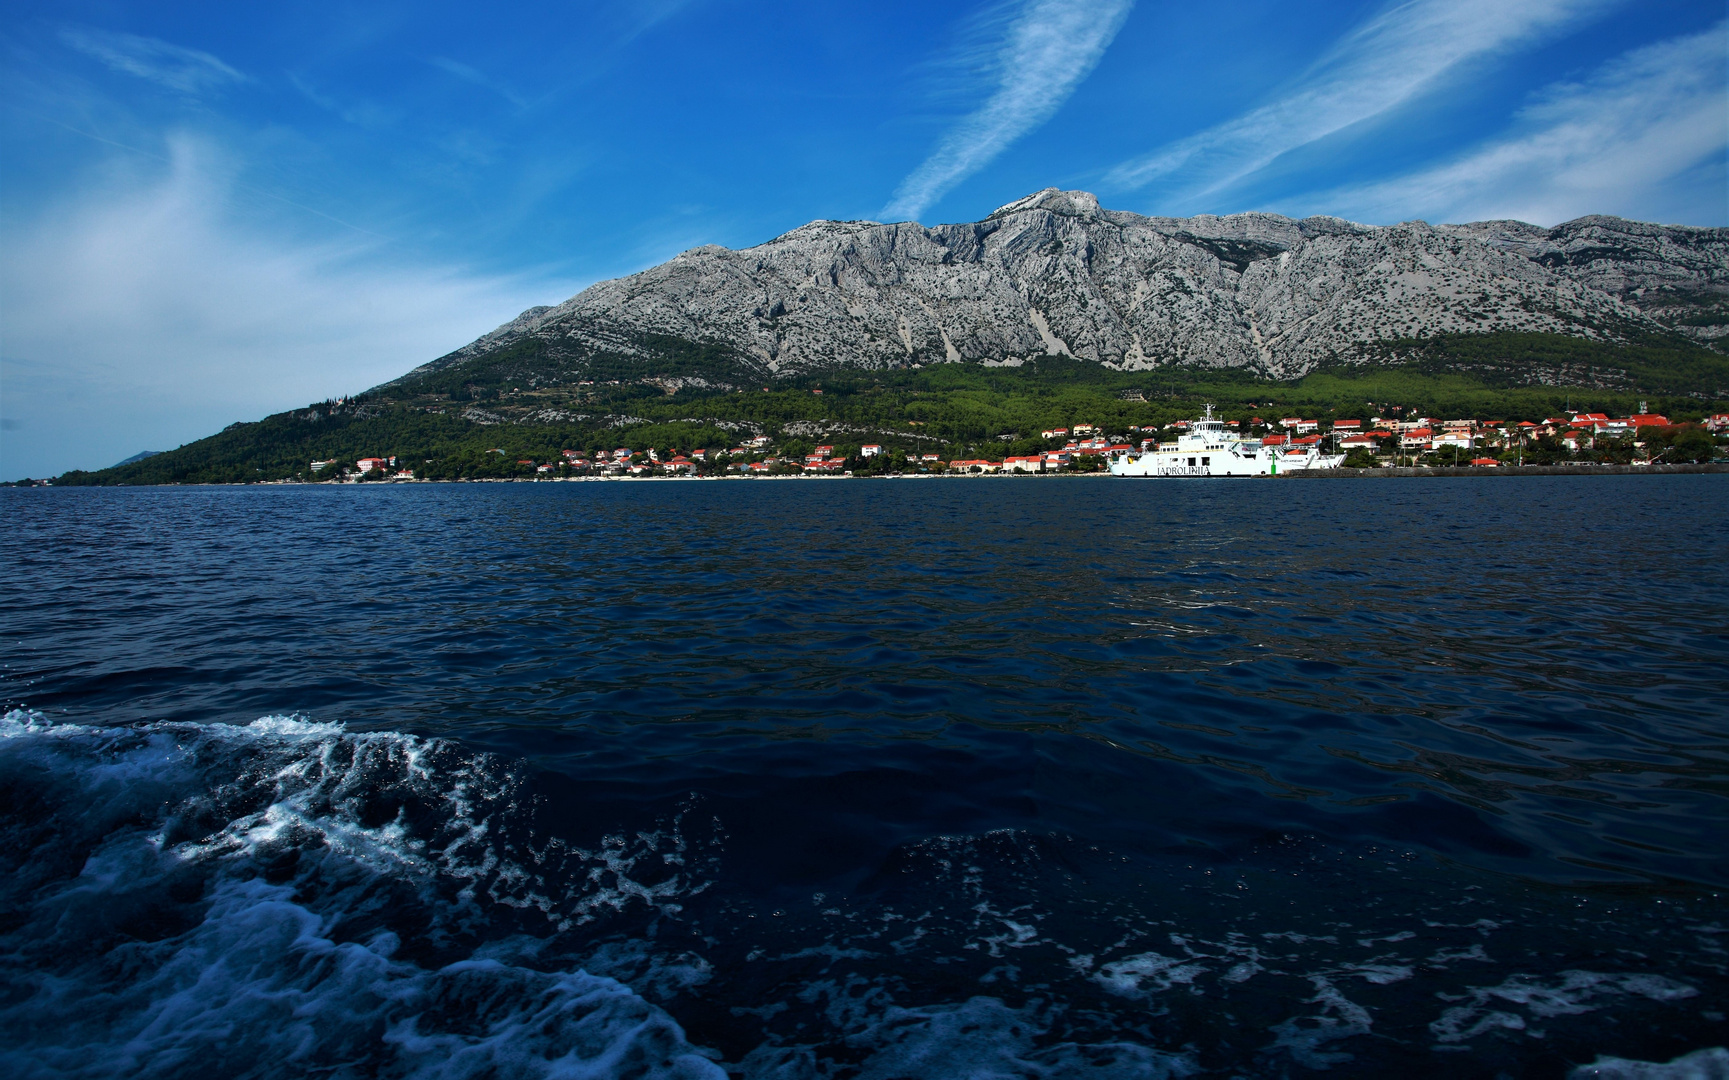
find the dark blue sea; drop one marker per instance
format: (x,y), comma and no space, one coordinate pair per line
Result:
(1087,778)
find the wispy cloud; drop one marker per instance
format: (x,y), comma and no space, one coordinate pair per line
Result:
(1621,141)
(641,16)
(361,113)
(478,78)
(189,71)
(163,302)
(1044,50)
(1402,52)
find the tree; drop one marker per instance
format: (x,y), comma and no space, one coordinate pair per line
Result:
(1690,443)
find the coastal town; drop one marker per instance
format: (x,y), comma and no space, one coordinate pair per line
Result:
(1382,441)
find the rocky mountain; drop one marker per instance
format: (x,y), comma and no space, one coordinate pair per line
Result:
(1056,273)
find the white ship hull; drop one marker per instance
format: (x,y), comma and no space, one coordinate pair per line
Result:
(1220,463)
(1210,449)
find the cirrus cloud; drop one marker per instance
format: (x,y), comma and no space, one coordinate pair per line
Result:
(1044,50)
(1404,51)
(1621,141)
(189,71)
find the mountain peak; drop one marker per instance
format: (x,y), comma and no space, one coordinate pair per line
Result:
(1055,200)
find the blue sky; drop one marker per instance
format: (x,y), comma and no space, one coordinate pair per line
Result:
(210,212)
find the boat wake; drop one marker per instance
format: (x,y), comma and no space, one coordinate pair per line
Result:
(236,900)
(288,897)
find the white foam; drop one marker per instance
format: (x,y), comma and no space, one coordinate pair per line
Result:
(1242,971)
(1569,993)
(1711,1064)
(111,975)
(314,779)
(294,727)
(1442,957)
(1146,973)
(1016,933)
(1340,1018)
(20,722)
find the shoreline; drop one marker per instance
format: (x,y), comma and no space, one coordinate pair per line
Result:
(1341,473)
(1508,470)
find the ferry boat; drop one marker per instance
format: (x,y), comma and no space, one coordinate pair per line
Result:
(1209,448)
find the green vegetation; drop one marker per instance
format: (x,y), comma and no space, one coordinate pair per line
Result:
(1655,364)
(505,413)
(1679,445)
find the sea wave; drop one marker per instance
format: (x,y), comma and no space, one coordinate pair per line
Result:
(289,897)
(235,900)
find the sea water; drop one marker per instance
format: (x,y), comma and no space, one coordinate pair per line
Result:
(987,778)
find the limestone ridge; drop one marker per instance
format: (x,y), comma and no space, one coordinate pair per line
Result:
(1056,273)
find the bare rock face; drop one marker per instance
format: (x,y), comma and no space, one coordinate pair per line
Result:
(1056,273)
(1673,273)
